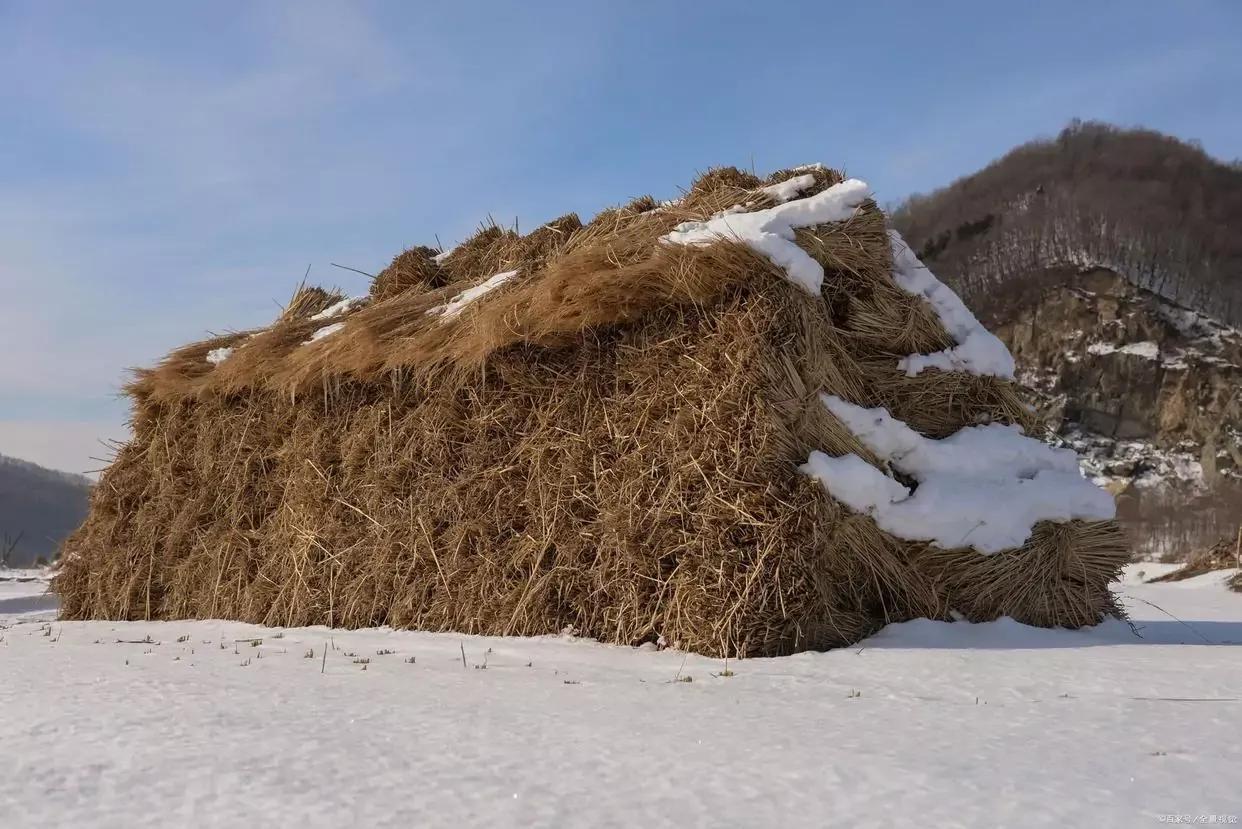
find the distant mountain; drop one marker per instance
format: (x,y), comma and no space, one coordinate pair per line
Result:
(38,509)
(1110,262)
(1158,211)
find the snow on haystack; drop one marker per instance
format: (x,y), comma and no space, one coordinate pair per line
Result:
(978,351)
(780,193)
(344,306)
(783,191)
(771,232)
(459,302)
(983,486)
(326,331)
(337,309)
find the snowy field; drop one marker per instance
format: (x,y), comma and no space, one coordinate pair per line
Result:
(224,724)
(24,592)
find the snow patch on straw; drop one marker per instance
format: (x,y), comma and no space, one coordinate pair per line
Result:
(326,331)
(786,190)
(457,303)
(978,351)
(983,486)
(344,306)
(779,193)
(771,231)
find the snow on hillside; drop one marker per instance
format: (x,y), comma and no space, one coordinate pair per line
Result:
(224,724)
(1140,463)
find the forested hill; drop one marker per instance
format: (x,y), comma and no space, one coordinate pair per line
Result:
(38,508)
(1158,211)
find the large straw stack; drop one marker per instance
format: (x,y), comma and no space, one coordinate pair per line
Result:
(609,440)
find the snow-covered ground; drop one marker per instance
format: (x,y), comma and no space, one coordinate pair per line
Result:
(24,592)
(931,724)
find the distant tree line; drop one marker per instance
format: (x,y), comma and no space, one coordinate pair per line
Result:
(1168,524)
(38,509)
(1158,211)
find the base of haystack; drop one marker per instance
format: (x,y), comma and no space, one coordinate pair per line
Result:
(810,576)
(1054,583)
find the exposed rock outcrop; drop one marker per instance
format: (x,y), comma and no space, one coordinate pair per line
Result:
(1124,364)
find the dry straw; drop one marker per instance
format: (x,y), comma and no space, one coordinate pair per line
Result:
(609,440)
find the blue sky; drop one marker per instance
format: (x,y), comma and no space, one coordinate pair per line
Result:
(167,169)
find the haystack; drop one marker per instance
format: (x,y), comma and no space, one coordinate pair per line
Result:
(747,422)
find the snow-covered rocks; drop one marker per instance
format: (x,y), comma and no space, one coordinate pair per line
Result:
(1147,350)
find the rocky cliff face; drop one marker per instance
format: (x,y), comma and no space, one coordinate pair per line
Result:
(1148,392)
(1127,365)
